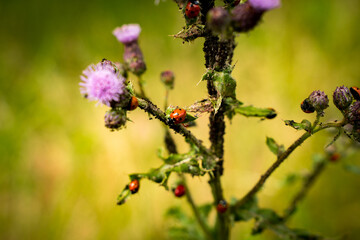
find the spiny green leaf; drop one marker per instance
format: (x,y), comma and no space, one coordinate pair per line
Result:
(250,111)
(274,147)
(352,168)
(124,195)
(304,125)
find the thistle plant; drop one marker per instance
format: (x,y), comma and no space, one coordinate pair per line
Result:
(109,83)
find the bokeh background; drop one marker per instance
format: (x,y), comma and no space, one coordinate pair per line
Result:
(61,169)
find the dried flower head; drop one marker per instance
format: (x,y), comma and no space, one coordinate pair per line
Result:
(127,33)
(264,5)
(319,100)
(102,83)
(342,97)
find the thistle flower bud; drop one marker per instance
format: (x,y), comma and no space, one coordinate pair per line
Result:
(353,115)
(319,100)
(218,20)
(168,77)
(115,119)
(133,57)
(342,97)
(246,16)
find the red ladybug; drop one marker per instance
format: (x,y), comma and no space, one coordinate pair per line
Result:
(134,186)
(222,206)
(192,10)
(133,104)
(335,157)
(355,91)
(179,190)
(178,115)
(307,107)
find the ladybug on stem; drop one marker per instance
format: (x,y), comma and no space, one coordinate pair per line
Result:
(192,9)
(222,206)
(133,104)
(355,91)
(134,186)
(178,115)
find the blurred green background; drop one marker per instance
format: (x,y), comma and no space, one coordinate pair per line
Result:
(61,169)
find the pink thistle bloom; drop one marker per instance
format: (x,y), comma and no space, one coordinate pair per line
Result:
(264,5)
(127,33)
(102,83)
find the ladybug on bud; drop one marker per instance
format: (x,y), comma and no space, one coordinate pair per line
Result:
(134,186)
(222,206)
(307,107)
(179,190)
(192,9)
(178,115)
(355,91)
(133,104)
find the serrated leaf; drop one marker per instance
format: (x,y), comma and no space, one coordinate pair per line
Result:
(246,211)
(352,168)
(124,195)
(274,147)
(205,210)
(251,111)
(304,125)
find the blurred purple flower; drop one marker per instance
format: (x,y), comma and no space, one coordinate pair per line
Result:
(127,33)
(102,83)
(264,5)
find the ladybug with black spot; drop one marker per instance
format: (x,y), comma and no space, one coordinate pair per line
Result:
(222,206)
(192,9)
(134,186)
(307,107)
(133,104)
(355,91)
(178,115)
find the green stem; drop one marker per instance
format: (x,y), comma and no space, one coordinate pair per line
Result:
(195,210)
(281,158)
(308,183)
(141,87)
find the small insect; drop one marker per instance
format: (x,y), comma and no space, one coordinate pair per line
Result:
(133,104)
(355,91)
(307,107)
(179,190)
(178,115)
(134,186)
(222,206)
(192,9)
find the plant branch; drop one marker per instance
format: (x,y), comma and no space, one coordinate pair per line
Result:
(281,158)
(308,183)
(152,109)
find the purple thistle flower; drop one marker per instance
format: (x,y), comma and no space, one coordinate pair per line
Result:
(127,33)
(102,83)
(264,5)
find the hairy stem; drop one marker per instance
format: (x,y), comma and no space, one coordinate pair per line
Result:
(282,157)
(152,109)
(218,55)
(308,183)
